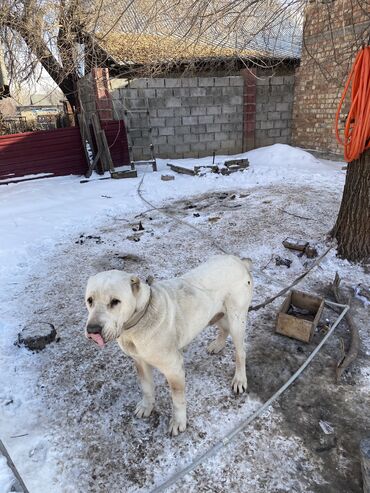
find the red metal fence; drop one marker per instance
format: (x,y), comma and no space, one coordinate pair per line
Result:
(56,152)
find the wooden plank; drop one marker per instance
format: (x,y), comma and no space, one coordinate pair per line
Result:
(296,328)
(180,169)
(293,244)
(306,301)
(84,137)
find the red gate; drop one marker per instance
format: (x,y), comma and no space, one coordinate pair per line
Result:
(55,152)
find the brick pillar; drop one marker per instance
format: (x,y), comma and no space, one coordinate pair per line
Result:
(104,105)
(249,108)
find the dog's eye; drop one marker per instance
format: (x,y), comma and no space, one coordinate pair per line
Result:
(114,302)
(89,301)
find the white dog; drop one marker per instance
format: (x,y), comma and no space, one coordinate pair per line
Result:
(153,323)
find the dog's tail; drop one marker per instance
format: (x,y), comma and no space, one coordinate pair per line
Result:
(248,263)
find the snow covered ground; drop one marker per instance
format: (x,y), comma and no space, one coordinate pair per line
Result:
(65,413)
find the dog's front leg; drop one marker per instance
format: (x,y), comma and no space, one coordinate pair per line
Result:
(144,372)
(175,376)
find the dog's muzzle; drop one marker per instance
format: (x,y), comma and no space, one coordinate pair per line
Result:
(94,333)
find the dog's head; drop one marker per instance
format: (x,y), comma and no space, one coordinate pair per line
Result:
(112,298)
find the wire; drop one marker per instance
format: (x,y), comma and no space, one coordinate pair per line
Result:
(357,127)
(243,425)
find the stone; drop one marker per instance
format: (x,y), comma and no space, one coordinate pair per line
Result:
(37,336)
(167,177)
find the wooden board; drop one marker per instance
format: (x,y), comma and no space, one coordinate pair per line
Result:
(180,169)
(294,244)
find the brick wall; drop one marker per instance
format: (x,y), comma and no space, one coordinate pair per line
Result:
(192,117)
(327,57)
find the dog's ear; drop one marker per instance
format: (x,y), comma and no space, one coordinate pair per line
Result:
(135,284)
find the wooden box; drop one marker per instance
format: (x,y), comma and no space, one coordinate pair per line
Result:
(299,315)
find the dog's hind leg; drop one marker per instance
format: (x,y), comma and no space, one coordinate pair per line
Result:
(237,322)
(219,343)
(144,372)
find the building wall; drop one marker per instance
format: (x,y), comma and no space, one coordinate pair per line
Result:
(195,116)
(333,34)
(274,106)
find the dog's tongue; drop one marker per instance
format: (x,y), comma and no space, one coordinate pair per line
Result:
(97,338)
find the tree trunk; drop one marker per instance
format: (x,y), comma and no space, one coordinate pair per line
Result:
(352,229)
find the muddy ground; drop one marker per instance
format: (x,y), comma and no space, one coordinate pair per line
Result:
(88,395)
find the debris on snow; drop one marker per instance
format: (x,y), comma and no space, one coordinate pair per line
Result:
(37,336)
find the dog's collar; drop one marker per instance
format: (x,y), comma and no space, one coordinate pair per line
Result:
(137,316)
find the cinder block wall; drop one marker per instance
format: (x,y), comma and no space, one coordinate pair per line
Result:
(190,117)
(274,107)
(195,116)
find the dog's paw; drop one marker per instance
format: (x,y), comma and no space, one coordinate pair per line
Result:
(176,426)
(215,346)
(143,409)
(239,384)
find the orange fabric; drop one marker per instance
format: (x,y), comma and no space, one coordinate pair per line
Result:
(356,137)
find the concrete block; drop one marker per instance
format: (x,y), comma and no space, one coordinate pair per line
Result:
(156,82)
(286,132)
(198,91)
(175,139)
(183,130)
(207,137)
(215,91)
(199,146)
(191,138)
(158,103)
(283,107)
(174,121)
(183,111)
(206,119)
(237,81)
(182,148)
(274,132)
(222,81)
(266,125)
(135,83)
(230,118)
(181,92)
(197,129)
(214,110)
(198,111)
(206,100)
(189,120)
(165,112)
(165,93)
(172,82)
(173,102)
(190,101)
(154,132)
(286,115)
(206,81)
(158,122)
(229,109)
(160,139)
(280,124)
(214,127)
(189,82)
(236,100)
(213,146)
(165,150)
(274,115)
(229,91)
(148,93)
(166,131)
